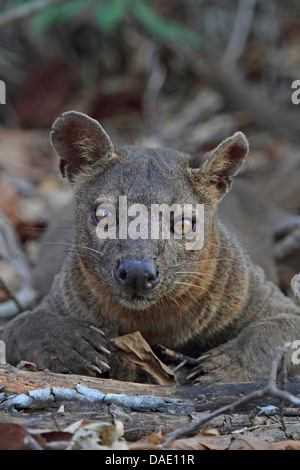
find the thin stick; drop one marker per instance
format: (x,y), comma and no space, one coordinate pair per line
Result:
(240,31)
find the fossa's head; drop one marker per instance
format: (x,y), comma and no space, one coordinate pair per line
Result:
(138,210)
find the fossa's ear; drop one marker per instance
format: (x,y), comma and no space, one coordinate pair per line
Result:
(80,142)
(216,173)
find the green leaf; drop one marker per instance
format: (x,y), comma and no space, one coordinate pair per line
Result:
(161,27)
(56,14)
(108,14)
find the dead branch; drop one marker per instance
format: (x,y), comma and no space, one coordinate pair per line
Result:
(176,356)
(198,109)
(171,406)
(240,31)
(85,398)
(16,381)
(241,97)
(156,78)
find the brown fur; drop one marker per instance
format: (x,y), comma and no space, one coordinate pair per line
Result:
(209,299)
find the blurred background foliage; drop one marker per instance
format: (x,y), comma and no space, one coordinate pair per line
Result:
(57,54)
(182,73)
(179,73)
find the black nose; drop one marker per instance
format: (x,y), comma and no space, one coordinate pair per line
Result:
(137,275)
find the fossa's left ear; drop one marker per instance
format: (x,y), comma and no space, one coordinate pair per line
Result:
(216,173)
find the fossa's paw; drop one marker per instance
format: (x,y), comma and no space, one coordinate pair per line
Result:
(219,366)
(79,349)
(60,344)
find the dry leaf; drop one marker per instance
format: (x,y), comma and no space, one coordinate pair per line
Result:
(98,436)
(56,440)
(26,365)
(289,444)
(208,432)
(151,442)
(15,437)
(203,443)
(136,349)
(72,428)
(247,442)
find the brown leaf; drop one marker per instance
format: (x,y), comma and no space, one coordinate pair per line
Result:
(15,437)
(72,428)
(137,350)
(203,443)
(247,442)
(56,440)
(208,432)
(289,444)
(26,365)
(150,442)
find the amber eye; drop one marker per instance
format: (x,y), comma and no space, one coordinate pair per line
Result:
(183,227)
(105,216)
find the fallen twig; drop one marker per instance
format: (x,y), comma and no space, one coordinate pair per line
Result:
(236,90)
(198,109)
(177,356)
(156,78)
(240,31)
(87,398)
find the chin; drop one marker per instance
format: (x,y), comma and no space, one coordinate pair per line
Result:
(137,302)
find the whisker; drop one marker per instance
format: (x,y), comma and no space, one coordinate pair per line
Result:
(204,261)
(198,274)
(170,297)
(218,246)
(90,250)
(73,244)
(191,295)
(194,285)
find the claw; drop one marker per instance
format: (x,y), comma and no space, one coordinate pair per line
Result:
(193,374)
(204,357)
(190,376)
(95,368)
(92,327)
(103,364)
(103,349)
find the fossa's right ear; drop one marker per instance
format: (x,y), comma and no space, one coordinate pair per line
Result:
(80,142)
